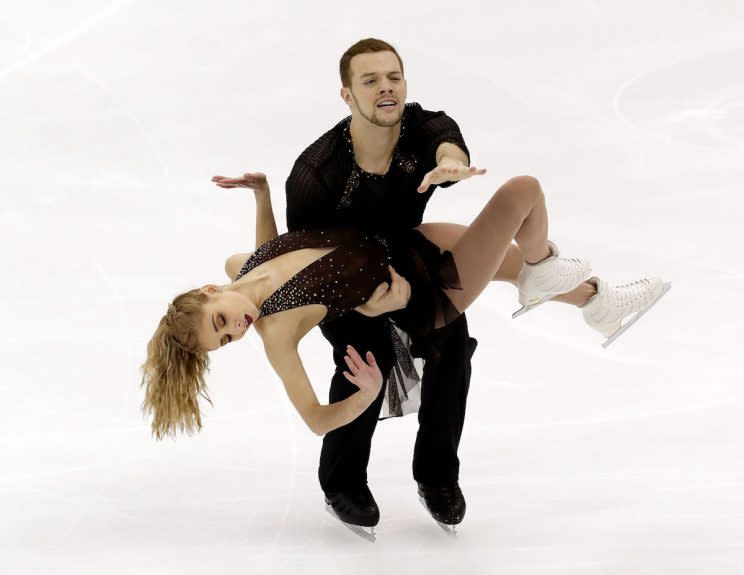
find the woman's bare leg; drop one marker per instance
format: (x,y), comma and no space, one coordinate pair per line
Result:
(446,234)
(516,211)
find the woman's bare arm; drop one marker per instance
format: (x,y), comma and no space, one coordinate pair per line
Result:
(285,359)
(265,222)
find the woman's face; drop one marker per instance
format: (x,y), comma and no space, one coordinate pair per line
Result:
(226,317)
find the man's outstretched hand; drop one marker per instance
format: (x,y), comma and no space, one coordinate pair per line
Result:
(448,171)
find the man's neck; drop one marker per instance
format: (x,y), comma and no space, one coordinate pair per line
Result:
(373,145)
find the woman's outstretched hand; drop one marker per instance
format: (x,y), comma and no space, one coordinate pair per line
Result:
(366,376)
(256,181)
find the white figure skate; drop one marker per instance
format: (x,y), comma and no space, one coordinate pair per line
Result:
(606,310)
(540,282)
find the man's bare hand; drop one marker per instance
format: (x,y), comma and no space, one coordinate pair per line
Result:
(448,171)
(386,299)
(256,181)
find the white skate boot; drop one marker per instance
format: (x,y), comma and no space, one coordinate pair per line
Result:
(540,282)
(606,310)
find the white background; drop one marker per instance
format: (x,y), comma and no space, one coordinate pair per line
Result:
(575,460)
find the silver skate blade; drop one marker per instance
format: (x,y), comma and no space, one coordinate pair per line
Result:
(525,308)
(636,317)
(448,529)
(367,533)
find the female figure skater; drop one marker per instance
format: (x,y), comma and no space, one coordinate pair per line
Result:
(300,279)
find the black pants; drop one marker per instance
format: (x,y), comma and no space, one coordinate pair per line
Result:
(444,389)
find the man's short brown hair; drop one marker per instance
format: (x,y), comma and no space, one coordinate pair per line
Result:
(366,46)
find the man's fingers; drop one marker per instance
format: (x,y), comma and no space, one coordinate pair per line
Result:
(381,289)
(424,184)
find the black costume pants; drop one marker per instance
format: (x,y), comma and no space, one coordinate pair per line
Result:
(444,389)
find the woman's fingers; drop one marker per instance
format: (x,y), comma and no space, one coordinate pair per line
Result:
(354,355)
(352,366)
(358,361)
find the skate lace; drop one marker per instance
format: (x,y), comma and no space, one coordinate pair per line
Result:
(633,295)
(570,264)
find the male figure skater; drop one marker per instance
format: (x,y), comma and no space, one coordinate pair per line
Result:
(377,171)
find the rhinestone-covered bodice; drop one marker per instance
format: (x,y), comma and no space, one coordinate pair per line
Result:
(341,279)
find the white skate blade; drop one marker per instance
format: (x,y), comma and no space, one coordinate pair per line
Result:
(525,308)
(636,317)
(367,533)
(448,529)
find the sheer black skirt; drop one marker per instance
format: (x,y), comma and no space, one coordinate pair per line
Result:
(413,329)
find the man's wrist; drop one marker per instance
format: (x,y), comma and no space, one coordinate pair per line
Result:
(453,153)
(450,161)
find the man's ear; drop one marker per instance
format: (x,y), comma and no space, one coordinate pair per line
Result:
(344,93)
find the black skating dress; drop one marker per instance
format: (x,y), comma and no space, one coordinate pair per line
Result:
(347,276)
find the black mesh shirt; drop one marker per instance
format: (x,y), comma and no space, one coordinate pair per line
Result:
(325,188)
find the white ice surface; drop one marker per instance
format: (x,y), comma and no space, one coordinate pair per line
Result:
(575,460)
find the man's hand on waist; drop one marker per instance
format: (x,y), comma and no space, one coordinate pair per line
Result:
(386,299)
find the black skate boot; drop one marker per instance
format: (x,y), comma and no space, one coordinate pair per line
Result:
(446,505)
(356,509)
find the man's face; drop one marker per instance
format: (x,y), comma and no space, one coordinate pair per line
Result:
(376,79)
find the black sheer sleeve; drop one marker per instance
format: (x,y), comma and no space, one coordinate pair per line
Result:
(438,129)
(309,202)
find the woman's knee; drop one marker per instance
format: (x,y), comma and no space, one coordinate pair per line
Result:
(522,191)
(525,184)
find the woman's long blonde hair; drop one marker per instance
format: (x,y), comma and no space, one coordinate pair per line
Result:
(173,373)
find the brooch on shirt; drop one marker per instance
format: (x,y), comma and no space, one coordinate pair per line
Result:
(407,164)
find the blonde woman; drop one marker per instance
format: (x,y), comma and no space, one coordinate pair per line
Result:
(298,280)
